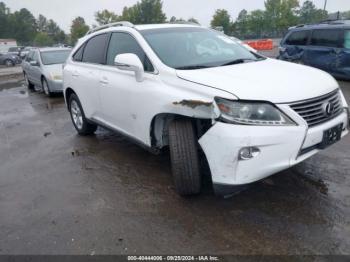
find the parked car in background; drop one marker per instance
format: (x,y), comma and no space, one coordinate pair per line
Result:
(15,50)
(192,89)
(325,46)
(25,51)
(9,59)
(42,67)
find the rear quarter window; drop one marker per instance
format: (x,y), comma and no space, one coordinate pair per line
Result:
(298,38)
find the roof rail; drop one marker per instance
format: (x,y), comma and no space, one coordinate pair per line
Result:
(121,23)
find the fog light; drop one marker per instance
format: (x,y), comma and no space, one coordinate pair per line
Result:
(247,153)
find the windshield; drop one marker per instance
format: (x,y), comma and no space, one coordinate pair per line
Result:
(193,48)
(54,57)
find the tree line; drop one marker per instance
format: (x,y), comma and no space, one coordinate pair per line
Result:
(273,21)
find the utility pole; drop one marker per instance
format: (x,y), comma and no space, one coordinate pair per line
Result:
(325,5)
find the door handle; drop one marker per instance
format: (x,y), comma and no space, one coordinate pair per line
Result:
(75,74)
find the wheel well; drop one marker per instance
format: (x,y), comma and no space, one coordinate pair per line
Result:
(160,127)
(68,93)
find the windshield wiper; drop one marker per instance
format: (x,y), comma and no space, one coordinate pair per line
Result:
(239,61)
(191,67)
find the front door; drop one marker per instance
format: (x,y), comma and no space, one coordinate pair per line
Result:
(120,93)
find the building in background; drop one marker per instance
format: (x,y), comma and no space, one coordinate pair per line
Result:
(5,44)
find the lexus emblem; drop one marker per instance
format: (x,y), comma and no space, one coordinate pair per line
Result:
(328,108)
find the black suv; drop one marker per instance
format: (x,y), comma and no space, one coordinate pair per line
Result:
(325,46)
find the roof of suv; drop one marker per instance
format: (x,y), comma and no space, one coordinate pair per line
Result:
(324,25)
(159,26)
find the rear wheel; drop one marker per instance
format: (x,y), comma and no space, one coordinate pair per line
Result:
(80,123)
(184,157)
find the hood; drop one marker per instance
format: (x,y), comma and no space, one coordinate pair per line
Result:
(268,80)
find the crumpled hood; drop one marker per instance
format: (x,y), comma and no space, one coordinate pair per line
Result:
(269,80)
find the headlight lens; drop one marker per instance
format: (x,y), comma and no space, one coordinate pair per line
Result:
(252,113)
(56,77)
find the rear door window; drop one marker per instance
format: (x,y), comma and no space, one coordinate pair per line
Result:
(325,37)
(94,51)
(298,38)
(347,39)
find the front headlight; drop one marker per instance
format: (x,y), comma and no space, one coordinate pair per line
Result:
(252,113)
(56,77)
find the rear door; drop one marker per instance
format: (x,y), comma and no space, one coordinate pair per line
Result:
(324,49)
(85,73)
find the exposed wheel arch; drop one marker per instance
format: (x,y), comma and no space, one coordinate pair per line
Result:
(160,127)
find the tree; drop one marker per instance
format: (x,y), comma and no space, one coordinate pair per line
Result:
(221,18)
(309,14)
(241,24)
(193,20)
(281,14)
(23,26)
(41,23)
(78,29)
(4,20)
(145,12)
(105,17)
(43,39)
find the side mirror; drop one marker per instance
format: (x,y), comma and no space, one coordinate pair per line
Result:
(130,62)
(34,63)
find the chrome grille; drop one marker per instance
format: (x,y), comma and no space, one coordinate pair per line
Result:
(321,109)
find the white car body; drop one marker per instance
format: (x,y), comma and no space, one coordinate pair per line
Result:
(140,108)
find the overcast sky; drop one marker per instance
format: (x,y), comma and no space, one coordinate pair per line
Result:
(63,11)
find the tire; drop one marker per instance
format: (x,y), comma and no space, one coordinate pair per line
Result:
(79,120)
(27,82)
(9,63)
(184,157)
(46,88)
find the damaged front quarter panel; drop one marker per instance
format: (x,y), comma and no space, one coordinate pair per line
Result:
(199,108)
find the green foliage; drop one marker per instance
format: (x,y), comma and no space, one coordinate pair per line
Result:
(145,12)
(22,26)
(78,29)
(309,14)
(43,39)
(105,17)
(222,19)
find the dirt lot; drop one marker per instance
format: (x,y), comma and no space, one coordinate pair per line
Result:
(65,194)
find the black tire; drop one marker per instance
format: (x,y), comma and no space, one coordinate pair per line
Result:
(86,128)
(184,157)
(9,63)
(46,89)
(28,83)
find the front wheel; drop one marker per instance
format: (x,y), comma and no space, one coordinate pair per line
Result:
(46,88)
(80,123)
(184,157)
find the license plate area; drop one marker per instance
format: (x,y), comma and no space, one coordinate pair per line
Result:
(331,136)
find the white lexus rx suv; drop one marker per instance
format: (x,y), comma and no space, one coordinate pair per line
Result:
(193,89)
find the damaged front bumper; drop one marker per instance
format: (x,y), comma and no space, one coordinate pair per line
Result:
(279,147)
